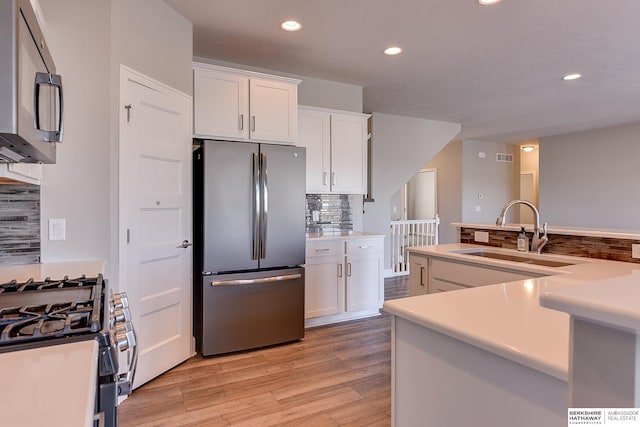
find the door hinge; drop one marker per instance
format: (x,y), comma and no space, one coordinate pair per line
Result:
(128,108)
(128,235)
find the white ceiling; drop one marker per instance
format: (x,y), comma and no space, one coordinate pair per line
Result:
(495,69)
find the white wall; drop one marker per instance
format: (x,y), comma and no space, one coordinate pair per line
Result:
(311,91)
(488,183)
(590,179)
(89,39)
(400,147)
(77,187)
(448,163)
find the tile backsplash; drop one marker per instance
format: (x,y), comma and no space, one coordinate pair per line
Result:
(559,244)
(19,224)
(329,212)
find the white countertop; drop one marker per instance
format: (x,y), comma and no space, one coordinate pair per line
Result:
(613,302)
(567,231)
(56,270)
(507,319)
(49,386)
(341,234)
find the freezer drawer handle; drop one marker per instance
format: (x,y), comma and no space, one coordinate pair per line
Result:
(257,281)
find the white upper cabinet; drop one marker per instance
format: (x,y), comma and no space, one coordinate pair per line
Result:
(221,104)
(314,133)
(243,106)
(336,143)
(28,173)
(348,154)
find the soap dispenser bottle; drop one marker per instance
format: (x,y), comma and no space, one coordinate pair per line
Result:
(523,241)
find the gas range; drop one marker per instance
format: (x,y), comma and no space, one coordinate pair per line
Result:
(54,312)
(49,312)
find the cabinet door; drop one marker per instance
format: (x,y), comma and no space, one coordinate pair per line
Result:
(30,173)
(314,133)
(274,110)
(220,104)
(418,275)
(363,283)
(324,287)
(348,154)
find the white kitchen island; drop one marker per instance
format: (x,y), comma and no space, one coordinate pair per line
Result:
(489,355)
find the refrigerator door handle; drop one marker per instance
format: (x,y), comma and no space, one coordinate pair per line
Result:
(256,207)
(259,281)
(265,206)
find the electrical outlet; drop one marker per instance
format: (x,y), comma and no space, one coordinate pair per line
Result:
(57,229)
(481,236)
(635,251)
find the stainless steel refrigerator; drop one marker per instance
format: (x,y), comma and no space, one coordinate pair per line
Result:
(249,243)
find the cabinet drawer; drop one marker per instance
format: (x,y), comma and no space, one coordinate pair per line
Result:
(315,248)
(436,286)
(470,275)
(365,246)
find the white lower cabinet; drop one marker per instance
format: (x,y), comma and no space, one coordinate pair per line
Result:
(343,279)
(419,274)
(431,274)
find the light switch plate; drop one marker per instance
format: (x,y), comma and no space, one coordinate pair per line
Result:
(481,236)
(57,229)
(635,251)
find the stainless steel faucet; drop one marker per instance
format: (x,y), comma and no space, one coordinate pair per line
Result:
(537,243)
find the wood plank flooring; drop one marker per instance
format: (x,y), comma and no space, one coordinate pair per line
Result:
(338,375)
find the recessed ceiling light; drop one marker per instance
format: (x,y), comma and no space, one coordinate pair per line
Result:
(488,2)
(394,50)
(290,26)
(528,148)
(572,76)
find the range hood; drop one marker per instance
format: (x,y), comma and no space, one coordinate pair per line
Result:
(30,91)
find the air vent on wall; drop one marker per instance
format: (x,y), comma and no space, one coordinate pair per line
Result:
(504,157)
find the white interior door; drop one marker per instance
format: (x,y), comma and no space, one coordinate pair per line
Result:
(155,219)
(421,195)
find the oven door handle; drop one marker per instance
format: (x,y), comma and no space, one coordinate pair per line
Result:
(125,380)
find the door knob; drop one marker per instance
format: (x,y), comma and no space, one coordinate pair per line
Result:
(185,244)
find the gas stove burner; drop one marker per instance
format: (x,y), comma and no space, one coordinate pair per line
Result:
(44,327)
(47,309)
(45,320)
(48,283)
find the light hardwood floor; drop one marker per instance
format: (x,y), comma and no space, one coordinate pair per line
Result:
(338,375)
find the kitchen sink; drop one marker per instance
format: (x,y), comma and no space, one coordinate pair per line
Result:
(526,259)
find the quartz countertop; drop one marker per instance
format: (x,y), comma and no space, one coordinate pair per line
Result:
(341,234)
(55,270)
(507,318)
(613,302)
(49,386)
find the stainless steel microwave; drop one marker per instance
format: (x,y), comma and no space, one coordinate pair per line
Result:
(30,92)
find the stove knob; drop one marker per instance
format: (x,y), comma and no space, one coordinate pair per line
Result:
(120,300)
(125,338)
(122,315)
(124,327)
